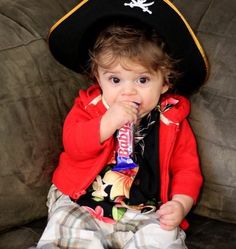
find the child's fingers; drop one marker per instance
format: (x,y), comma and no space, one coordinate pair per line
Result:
(165,209)
(132,111)
(123,112)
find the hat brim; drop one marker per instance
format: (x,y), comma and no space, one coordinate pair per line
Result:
(75,33)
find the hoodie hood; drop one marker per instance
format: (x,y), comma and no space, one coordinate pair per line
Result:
(174,108)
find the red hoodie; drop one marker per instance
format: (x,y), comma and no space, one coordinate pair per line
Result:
(84,157)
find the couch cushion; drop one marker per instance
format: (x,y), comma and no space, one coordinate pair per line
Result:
(213,116)
(36,93)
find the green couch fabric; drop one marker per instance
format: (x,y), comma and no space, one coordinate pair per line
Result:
(213,115)
(36,94)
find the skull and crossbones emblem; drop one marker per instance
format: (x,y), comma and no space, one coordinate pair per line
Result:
(140,4)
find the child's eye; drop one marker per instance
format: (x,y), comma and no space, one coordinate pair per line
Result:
(143,80)
(115,80)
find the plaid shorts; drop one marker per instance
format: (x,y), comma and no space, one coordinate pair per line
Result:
(70,226)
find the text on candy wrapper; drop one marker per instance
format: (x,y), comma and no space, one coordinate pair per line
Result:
(125,141)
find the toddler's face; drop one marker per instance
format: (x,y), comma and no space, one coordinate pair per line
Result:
(135,84)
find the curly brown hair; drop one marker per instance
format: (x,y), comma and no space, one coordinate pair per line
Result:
(124,43)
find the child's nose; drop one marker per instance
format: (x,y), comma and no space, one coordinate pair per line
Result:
(129,89)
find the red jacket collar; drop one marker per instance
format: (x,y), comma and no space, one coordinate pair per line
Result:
(175,108)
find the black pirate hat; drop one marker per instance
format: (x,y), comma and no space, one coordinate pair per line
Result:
(75,33)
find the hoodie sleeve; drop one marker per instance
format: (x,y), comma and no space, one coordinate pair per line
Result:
(185,171)
(81,131)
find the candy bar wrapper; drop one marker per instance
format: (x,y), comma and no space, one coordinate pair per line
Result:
(125,147)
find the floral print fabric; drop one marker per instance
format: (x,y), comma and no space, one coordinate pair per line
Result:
(108,197)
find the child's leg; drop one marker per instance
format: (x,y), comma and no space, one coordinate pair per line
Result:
(70,226)
(152,236)
(148,233)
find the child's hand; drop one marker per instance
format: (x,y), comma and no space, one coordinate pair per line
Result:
(171,214)
(119,114)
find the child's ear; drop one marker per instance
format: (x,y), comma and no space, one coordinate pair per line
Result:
(165,88)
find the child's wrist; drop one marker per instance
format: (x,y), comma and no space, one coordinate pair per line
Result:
(185,201)
(181,206)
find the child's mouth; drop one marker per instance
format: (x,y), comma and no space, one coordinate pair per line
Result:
(137,103)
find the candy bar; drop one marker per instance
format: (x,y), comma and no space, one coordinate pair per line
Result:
(125,148)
